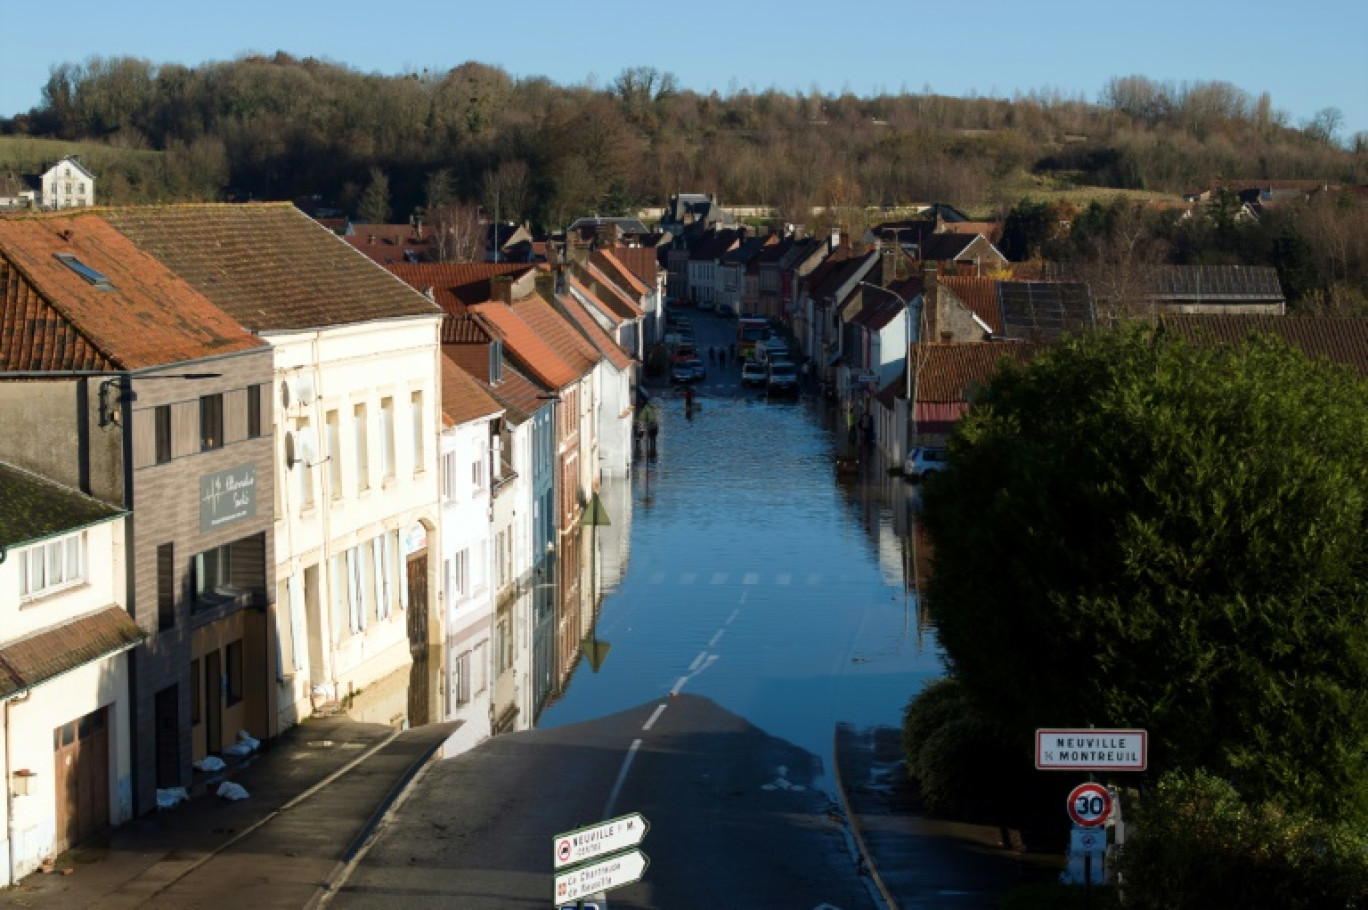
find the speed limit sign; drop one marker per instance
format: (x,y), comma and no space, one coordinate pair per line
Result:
(1089,805)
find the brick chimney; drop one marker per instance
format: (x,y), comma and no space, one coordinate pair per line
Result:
(501,288)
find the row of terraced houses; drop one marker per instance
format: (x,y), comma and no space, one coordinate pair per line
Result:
(248,472)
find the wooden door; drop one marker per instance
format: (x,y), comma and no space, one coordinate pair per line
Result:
(81,774)
(417,601)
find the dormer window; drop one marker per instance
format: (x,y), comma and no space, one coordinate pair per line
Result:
(98,279)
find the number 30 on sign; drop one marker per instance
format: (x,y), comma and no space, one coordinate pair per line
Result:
(1089,805)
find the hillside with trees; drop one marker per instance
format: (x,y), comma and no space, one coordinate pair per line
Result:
(282,127)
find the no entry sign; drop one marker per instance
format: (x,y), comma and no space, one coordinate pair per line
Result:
(1089,805)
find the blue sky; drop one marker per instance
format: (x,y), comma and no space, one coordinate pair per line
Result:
(1307,55)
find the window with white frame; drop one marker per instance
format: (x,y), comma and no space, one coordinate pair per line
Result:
(478,468)
(458,575)
(334,453)
(416,417)
(387,438)
(460,679)
(362,447)
(48,567)
(449,478)
(479,668)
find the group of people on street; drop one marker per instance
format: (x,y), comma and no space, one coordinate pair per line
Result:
(718,356)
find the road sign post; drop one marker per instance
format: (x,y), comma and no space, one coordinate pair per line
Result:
(589,861)
(1092,750)
(1089,805)
(610,872)
(584,844)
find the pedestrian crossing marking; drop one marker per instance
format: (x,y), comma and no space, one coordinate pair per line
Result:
(688,578)
(783,579)
(751,578)
(719,578)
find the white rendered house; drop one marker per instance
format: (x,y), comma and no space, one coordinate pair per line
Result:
(64,638)
(67,184)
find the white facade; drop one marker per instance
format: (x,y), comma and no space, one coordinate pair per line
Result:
(615,413)
(468,581)
(357,508)
(67,185)
(94,692)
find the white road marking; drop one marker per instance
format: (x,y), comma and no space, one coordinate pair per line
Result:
(751,578)
(783,579)
(711,658)
(698,661)
(732,617)
(622,776)
(688,578)
(814,580)
(719,578)
(655,716)
(657,578)
(713,643)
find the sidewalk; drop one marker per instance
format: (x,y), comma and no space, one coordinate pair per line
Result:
(314,795)
(914,860)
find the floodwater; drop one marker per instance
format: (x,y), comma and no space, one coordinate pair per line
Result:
(751,574)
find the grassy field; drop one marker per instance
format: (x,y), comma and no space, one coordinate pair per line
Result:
(28,155)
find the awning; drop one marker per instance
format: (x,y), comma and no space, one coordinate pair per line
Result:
(47,654)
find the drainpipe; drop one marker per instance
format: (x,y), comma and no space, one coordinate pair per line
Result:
(9,782)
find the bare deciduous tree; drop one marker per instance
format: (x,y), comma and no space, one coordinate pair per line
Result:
(457,232)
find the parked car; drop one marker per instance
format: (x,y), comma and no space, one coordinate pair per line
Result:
(924,460)
(753,373)
(782,378)
(689,371)
(772,348)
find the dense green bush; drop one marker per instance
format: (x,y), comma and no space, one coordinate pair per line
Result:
(955,755)
(1195,843)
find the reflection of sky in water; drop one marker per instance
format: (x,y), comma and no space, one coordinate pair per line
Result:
(745,548)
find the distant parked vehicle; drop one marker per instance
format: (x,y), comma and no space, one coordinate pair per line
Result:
(687,371)
(753,373)
(782,378)
(924,460)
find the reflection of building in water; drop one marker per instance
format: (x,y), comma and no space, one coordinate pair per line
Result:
(615,539)
(409,697)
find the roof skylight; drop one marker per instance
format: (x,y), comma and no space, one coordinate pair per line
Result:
(98,279)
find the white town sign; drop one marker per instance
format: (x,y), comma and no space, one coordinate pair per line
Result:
(1092,750)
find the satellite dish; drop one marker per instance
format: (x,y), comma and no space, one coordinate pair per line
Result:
(304,388)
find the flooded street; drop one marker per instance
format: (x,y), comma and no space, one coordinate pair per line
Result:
(753,577)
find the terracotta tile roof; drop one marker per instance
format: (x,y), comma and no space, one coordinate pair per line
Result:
(641,261)
(948,370)
(610,312)
(463,400)
(1339,339)
(980,295)
(36,508)
(607,262)
(36,658)
(466,328)
(877,310)
(516,393)
(527,348)
(456,285)
(570,346)
(597,285)
(269,265)
(140,315)
(573,310)
(387,244)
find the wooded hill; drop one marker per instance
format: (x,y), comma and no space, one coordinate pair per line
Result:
(286,128)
